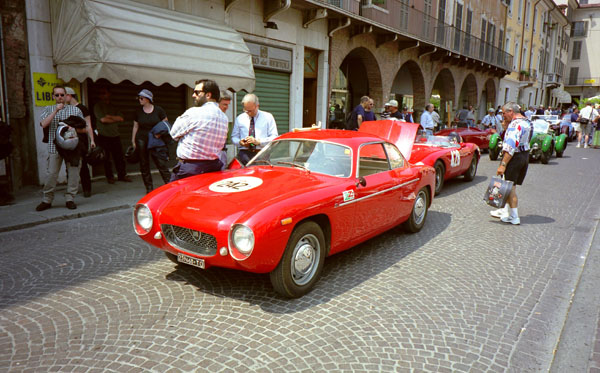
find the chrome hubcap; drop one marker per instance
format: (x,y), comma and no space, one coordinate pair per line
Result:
(420,208)
(305,259)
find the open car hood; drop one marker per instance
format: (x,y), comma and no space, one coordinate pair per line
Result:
(402,134)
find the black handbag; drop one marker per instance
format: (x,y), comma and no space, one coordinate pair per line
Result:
(497,192)
(95,156)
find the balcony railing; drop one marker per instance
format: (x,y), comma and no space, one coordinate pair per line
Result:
(595,81)
(553,78)
(416,24)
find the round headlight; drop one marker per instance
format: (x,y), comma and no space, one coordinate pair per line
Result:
(243,239)
(143,215)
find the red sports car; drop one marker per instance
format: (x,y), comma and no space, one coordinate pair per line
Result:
(307,195)
(449,155)
(474,135)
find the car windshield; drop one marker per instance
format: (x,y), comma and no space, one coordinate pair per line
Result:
(440,141)
(540,126)
(548,118)
(314,156)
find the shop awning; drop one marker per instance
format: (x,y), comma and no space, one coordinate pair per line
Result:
(563,96)
(125,40)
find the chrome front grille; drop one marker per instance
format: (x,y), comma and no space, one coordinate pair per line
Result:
(190,240)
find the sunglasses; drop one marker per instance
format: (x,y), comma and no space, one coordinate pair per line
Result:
(59,95)
(197,92)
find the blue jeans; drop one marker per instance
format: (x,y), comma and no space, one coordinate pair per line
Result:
(186,168)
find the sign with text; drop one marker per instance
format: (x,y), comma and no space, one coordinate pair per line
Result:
(272,58)
(43,84)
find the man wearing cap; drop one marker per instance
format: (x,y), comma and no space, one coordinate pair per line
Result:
(201,133)
(394,112)
(50,118)
(87,141)
(253,129)
(490,120)
(108,120)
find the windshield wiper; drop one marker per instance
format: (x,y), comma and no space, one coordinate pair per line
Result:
(294,164)
(262,160)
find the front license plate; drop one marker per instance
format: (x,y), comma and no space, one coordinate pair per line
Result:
(185,259)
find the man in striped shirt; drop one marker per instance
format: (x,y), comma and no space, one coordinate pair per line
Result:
(201,132)
(51,117)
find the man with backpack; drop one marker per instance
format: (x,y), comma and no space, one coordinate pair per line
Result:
(586,120)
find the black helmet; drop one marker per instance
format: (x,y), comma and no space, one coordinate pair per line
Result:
(456,137)
(95,156)
(132,154)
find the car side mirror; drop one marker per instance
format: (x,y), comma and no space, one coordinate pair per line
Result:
(361,182)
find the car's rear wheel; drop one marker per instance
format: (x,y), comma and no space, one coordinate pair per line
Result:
(172,257)
(494,153)
(419,212)
(440,170)
(300,266)
(470,174)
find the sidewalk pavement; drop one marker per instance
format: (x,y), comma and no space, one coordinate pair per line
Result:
(105,197)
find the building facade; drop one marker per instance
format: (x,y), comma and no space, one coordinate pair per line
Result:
(582,78)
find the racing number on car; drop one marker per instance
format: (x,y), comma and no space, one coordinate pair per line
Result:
(454,158)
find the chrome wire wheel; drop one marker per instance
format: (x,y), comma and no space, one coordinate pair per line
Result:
(305,259)
(420,208)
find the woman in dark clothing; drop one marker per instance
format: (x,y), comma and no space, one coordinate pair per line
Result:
(146,117)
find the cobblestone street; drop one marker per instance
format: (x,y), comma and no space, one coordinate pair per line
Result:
(466,294)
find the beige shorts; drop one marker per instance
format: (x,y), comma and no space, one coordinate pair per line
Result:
(576,126)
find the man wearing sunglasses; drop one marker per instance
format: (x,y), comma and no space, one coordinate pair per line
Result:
(50,118)
(201,133)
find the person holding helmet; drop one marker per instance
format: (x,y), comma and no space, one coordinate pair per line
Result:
(51,117)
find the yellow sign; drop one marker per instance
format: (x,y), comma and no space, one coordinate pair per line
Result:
(589,81)
(43,84)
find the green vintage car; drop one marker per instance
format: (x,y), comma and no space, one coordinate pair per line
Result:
(543,143)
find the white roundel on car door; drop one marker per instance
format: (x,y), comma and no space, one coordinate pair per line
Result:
(235,184)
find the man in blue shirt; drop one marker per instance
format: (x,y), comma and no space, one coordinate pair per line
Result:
(358,114)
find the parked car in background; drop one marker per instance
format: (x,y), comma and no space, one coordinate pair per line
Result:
(449,155)
(470,134)
(543,142)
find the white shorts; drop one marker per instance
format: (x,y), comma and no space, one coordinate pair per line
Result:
(576,126)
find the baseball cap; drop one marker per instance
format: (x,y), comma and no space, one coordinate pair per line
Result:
(69,90)
(145,93)
(392,103)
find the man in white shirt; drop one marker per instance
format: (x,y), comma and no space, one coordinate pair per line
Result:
(426,119)
(530,112)
(587,116)
(490,120)
(253,129)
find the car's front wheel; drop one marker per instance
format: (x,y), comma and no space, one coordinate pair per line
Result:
(419,212)
(300,266)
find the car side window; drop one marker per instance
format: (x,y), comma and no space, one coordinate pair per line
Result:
(372,159)
(394,155)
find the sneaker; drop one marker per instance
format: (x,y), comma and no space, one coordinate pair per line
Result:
(499,213)
(71,205)
(585,146)
(511,219)
(43,206)
(578,146)
(126,179)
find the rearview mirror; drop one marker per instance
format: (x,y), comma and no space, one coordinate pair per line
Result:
(361,181)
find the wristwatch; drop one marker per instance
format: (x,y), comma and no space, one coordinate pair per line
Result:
(503,164)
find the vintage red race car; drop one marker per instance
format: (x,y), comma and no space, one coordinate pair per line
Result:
(307,195)
(448,155)
(474,135)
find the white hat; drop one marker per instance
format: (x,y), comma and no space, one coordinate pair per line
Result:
(392,103)
(69,90)
(491,109)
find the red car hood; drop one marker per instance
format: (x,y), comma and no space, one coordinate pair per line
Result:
(229,195)
(400,133)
